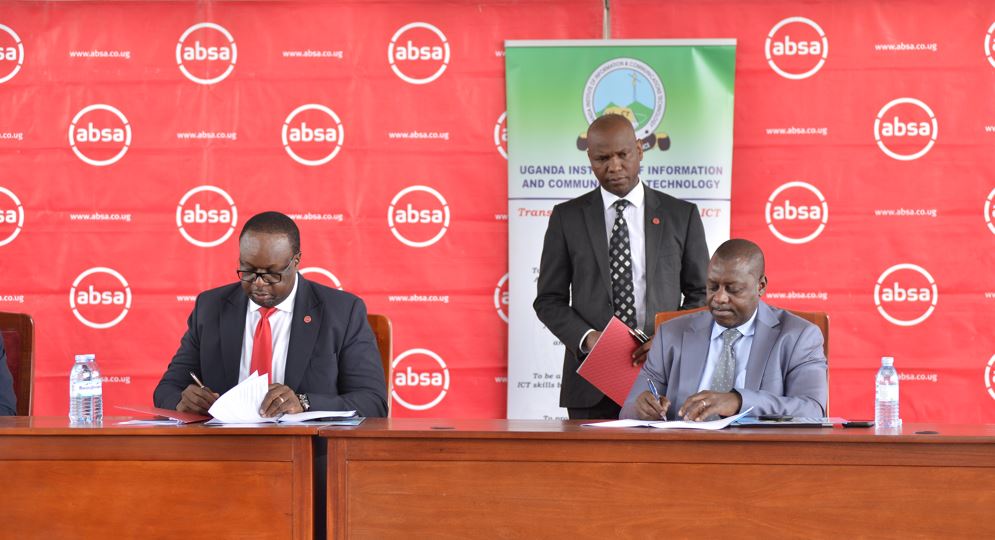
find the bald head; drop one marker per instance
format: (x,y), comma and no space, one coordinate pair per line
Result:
(736,281)
(614,153)
(608,123)
(739,249)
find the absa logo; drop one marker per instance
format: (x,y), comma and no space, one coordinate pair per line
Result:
(206,53)
(501,298)
(905,294)
(312,134)
(100,297)
(796,212)
(990,377)
(11,53)
(418,53)
(11,216)
(905,129)
(421,379)
(989,45)
(418,216)
(501,135)
(100,135)
(326,278)
(206,216)
(990,211)
(796,48)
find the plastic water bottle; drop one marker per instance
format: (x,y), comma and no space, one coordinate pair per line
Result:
(86,403)
(886,395)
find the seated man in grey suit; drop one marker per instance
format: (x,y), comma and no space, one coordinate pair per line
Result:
(740,353)
(314,342)
(8,401)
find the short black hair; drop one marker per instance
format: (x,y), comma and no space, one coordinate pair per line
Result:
(274,223)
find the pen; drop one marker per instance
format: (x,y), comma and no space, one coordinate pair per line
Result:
(649,382)
(196,380)
(639,335)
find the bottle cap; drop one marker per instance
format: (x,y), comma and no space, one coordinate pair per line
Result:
(85,358)
(887,361)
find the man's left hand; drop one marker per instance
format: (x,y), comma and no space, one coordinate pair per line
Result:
(700,406)
(280,399)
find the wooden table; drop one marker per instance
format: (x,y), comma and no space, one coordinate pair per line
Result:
(416,478)
(154,481)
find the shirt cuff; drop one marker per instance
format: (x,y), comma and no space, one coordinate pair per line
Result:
(582,348)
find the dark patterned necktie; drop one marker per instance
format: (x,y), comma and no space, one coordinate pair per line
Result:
(621,267)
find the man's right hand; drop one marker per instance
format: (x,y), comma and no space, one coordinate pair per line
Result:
(590,340)
(649,408)
(196,399)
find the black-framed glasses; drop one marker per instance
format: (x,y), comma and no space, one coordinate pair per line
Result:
(270,278)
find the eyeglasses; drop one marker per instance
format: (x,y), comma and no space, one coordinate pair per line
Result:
(269,278)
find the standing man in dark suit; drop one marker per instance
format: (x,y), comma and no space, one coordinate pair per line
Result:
(313,341)
(622,249)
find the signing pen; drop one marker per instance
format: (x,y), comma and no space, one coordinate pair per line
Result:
(640,337)
(196,380)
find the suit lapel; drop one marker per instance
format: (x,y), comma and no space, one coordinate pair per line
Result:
(232,329)
(303,332)
(654,233)
(694,354)
(766,331)
(594,217)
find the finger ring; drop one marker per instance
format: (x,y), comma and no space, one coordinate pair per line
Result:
(282,399)
(704,404)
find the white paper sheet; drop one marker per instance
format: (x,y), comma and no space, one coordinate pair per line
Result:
(672,424)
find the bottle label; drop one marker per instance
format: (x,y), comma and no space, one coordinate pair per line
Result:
(887,392)
(87,389)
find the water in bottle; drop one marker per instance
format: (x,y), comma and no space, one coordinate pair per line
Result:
(886,396)
(86,404)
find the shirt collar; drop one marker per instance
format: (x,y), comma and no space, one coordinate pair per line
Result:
(635,197)
(747,328)
(288,302)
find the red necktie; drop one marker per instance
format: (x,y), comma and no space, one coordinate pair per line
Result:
(262,344)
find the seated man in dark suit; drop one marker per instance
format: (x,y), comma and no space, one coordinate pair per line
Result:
(740,353)
(8,401)
(313,341)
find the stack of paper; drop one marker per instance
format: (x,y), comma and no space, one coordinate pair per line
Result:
(672,424)
(240,405)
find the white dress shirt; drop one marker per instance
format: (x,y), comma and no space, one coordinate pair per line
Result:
(279,322)
(741,349)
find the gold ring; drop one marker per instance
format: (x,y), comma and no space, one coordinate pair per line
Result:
(704,404)
(282,399)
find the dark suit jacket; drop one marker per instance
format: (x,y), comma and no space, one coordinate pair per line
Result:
(333,358)
(785,374)
(575,262)
(8,401)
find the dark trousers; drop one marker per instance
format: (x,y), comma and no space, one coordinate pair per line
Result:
(606,409)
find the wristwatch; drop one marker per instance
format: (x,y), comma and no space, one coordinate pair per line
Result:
(305,404)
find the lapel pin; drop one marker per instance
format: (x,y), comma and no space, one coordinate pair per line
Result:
(656,221)
(307,319)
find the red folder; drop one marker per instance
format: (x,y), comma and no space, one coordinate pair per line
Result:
(609,365)
(181,417)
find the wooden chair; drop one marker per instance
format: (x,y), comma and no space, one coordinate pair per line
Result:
(18,333)
(383,332)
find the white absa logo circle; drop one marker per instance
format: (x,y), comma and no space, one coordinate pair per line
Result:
(501,135)
(421,379)
(11,53)
(206,212)
(901,303)
(990,377)
(11,217)
(423,220)
(989,45)
(103,143)
(990,211)
(99,302)
(910,131)
(218,47)
(796,48)
(316,144)
(798,221)
(418,53)
(329,278)
(501,298)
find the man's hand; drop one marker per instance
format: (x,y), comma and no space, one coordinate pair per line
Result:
(649,408)
(706,403)
(639,355)
(196,399)
(280,399)
(591,339)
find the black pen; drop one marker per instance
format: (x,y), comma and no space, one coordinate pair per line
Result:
(196,380)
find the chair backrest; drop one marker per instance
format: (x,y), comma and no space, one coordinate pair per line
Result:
(18,332)
(383,332)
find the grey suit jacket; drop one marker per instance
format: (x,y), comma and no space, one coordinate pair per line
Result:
(574,287)
(786,372)
(8,401)
(332,355)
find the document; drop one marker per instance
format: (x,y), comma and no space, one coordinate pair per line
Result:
(240,405)
(609,365)
(711,425)
(172,417)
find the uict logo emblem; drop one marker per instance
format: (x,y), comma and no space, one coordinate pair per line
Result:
(206,216)
(905,129)
(421,379)
(990,377)
(418,216)
(206,53)
(314,144)
(100,297)
(418,53)
(501,298)
(799,220)
(11,216)
(327,277)
(905,294)
(796,48)
(990,211)
(100,135)
(11,53)
(501,135)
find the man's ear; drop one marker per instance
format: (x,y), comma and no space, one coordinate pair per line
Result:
(763,285)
